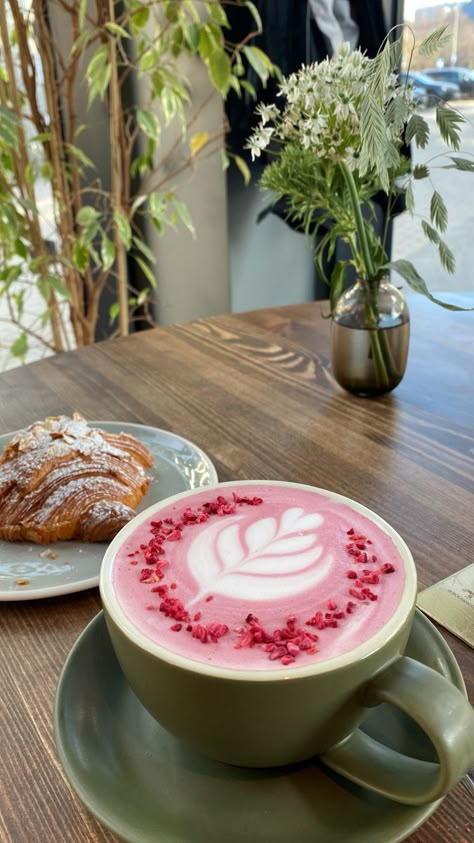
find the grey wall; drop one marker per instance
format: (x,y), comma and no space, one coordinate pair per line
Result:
(269,263)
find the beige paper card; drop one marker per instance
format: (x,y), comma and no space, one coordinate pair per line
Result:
(451,603)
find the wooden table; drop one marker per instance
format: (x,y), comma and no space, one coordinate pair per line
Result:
(254,390)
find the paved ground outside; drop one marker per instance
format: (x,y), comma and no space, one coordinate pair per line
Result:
(409,242)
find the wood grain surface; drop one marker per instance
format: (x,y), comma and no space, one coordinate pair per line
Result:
(255,391)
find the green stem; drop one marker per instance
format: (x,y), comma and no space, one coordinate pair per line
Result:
(359,221)
(379,346)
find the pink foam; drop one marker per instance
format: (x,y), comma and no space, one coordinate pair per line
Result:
(286,557)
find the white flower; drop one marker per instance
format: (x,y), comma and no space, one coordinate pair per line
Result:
(259,140)
(343,108)
(266,112)
(350,158)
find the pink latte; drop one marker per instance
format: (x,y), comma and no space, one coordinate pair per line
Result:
(258,577)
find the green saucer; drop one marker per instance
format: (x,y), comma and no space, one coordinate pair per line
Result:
(146,786)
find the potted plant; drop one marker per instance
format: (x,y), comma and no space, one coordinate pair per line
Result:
(99,240)
(338,140)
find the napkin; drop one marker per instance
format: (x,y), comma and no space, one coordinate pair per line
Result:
(450,602)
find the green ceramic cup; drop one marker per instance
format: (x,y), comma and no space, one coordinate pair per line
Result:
(275,717)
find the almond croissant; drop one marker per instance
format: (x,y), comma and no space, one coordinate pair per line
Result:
(60,479)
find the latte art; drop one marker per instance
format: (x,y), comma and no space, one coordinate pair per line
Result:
(266,560)
(261,576)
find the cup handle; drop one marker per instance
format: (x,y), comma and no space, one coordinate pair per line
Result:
(439,708)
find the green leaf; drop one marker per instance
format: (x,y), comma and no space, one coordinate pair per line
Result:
(396,113)
(410,197)
(379,70)
(434,42)
(462,164)
(46,170)
(438,212)
(19,300)
(89,233)
(81,41)
(137,202)
(146,270)
(78,153)
(157,205)
(30,174)
(41,137)
(184,216)
(60,287)
(448,120)
(373,134)
(255,14)
(28,204)
(9,116)
(12,273)
(123,228)
(391,156)
(225,160)
(144,249)
(80,256)
(37,263)
(100,84)
(21,249)
(169,104)
(337,283)
(247,86)
(206,43)
(430,232)
(148,61)
(218,14)
(97,62)
(198,141)
(86,215)
(417,129)
(413,278)
(139,19)
(220,70)
(446,257)
(8,134)
(107,252)
(114,311)
(420,171)
(19,347)
(192,34)
(216,34)
(116,29)
(149,123)
(172,10)
(259,61)
(43,288)
(243,167)
(191,7)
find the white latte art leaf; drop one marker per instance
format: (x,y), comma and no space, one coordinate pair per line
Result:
(292,544)
(267,560)
(229,546)
(282,564)
(260,534)
(295,519)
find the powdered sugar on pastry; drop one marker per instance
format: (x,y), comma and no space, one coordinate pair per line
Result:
(61,479)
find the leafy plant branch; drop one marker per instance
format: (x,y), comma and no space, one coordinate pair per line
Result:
(98,232)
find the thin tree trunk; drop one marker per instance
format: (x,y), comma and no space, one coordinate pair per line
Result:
(117,185)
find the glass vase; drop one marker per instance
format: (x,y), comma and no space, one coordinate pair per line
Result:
(369,338)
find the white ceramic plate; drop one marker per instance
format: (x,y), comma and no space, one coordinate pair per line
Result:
(67,567)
